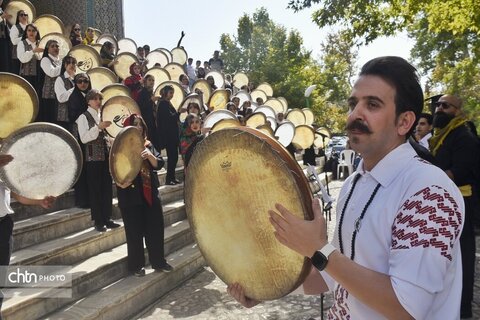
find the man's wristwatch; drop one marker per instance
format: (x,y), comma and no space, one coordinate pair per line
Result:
(320,257)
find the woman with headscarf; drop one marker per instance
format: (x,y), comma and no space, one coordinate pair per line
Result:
(135,81)
(146,102)
(107,53)
(16,33)
(51,65)
(27,50)
(64,86)
(76,35)
(89,36)
(141,209)
(77,104)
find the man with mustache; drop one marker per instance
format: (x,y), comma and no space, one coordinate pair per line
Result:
(456,151)
(395,253)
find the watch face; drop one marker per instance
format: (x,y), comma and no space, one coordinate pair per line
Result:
(319,261)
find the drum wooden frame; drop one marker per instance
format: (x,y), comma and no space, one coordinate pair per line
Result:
(235,176)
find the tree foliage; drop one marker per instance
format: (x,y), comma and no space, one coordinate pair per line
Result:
(268,53)
(446,32)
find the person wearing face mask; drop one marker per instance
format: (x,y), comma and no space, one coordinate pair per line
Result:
(456,151)
(51,65)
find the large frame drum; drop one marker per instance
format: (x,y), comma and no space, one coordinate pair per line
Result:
(235,176)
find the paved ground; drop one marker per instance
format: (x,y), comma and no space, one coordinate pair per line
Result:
(204,297)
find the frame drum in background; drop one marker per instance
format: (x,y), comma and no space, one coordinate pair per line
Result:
(122,64)
(47,161)
(248,173)
(18,105)
(125,159)
(116,110)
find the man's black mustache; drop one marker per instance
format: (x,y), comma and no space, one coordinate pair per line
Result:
(359,126)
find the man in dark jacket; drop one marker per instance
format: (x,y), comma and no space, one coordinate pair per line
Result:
(456,151)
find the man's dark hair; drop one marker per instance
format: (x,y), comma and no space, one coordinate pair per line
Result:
(427,117)
(403,77)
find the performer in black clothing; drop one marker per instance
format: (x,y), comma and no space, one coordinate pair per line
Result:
(168,132)
(77,104)
(146,102)
(141,209)
(5,47)
(456,151)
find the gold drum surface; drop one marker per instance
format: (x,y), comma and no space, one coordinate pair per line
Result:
(235,176)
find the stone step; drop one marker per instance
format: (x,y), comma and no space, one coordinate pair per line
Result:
(74,247)
(128,296)
(63,222)
(90,275)
(67,200)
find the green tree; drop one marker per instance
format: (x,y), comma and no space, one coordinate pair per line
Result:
(447,49)
(268,53)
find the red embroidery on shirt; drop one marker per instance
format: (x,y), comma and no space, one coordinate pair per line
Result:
(430,218)
(339,309)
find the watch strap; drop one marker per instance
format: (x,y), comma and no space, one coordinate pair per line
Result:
(327,250)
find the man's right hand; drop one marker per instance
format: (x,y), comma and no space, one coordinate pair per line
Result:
(104,124)
(238,293)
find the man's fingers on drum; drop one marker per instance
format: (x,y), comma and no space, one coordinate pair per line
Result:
(317,209)
(277,221)
(285,212)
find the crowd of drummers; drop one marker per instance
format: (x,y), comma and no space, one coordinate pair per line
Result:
(66,98)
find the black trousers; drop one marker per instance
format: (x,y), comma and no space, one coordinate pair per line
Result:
(6,245)
(48,110)
(468,248)
(99,191)
(142,221)
(172,154)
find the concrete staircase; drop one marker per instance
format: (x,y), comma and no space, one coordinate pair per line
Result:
(101,285)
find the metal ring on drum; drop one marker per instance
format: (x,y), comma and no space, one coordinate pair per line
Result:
(235,235)
(285,133)
(54,151)
(217,115)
